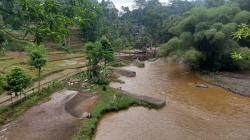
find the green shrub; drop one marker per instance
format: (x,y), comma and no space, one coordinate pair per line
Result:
(172,45)
(193,57)
(186,39)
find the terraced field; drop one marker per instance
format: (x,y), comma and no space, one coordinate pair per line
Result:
(58,62)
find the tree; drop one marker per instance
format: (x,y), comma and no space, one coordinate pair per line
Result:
(17,80)
(99,56)
(44,19)
(94,56)
(107,50)
(37,60)
(47,19)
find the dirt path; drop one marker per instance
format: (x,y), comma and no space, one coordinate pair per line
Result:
(50,120)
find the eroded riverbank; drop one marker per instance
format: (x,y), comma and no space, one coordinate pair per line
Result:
(191,112)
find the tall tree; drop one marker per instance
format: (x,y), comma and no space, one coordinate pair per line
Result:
(37,59)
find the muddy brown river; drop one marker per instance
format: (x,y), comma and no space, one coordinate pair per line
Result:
(191,113)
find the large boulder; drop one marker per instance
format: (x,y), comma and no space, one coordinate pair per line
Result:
(123,72)
(154,102)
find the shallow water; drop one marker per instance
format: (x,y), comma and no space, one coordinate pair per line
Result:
(190,113)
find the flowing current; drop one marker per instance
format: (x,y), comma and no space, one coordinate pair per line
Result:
(191,113)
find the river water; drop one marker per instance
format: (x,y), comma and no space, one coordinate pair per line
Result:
(191,113)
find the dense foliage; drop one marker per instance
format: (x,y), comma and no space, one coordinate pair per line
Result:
(207,34)
(204,36)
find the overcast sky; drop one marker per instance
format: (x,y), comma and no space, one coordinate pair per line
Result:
(129,3)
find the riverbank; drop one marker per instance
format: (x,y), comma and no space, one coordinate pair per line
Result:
(237,83)
(110,100)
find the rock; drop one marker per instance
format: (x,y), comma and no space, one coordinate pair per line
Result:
(115,78)
(85,115)
(199,85)
(138,63)
(156,103)
(119,81)
(126,73)
(152,59)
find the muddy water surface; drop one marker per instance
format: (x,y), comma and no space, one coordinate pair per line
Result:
(190,113)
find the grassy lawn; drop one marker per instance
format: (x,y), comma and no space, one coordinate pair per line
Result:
(109,100)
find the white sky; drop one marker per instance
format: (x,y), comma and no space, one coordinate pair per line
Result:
(129,3)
